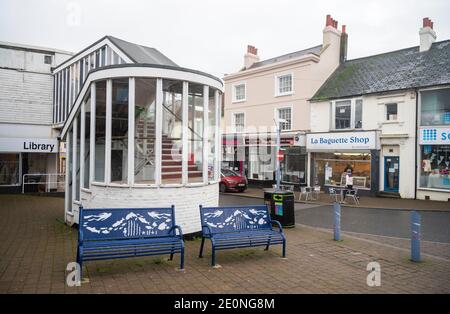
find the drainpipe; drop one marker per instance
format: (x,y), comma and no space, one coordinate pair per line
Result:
(415,143)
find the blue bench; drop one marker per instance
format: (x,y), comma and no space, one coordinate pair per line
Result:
(110,233)
(239,226)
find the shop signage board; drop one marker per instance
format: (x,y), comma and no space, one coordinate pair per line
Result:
(434,135)
(342,141)
(29,145)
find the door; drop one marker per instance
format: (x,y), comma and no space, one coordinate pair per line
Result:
(391,173)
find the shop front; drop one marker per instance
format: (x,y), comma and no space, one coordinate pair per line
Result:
(255,157)
(434,157)
(332,154)
(32,157)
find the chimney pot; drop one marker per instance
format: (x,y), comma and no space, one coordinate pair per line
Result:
(328,20)
(343,29)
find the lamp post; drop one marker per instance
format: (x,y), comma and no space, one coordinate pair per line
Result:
(278,170)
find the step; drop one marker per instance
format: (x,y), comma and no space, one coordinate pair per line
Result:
(176,168)
(174,175)
(388,194)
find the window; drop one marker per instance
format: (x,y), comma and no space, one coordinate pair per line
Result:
(239,92)
(343,114)
(212,124)
(119,131)
(100,129)
(239,121)
(435,107)
(435,170)
(48,59)
(144,131)
(9,169)
(347,114)
(172,131)
(285,114)
(284,84)
(391,112)
(195,133)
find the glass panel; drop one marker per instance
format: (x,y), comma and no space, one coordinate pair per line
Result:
(119,131)
(343,114)
(195,133)
(171,131)
(97,58)
(435,107)
(293,167)
(212,128)
(358,114)
(77,166)
(285,84)
(82,76)
(331,168)
(239,122)
(115,58)
(69,166)
(285,114)
(435,166)
(391,112)
(261,162)
(144,131)
(9,169)
(240,92)
(100,129)
(103,57)
(87,141)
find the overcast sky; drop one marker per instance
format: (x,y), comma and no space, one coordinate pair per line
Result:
(212,35)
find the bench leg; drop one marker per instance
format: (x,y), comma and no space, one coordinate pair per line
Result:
(213,257)
(80,262)
(284,248)
(200,255)
(268,244)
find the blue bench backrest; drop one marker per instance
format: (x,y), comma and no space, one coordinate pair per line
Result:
(235,218)
(120,223)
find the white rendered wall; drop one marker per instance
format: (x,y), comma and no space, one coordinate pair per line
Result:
(186,201)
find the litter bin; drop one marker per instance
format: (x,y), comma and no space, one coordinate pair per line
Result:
(281,206)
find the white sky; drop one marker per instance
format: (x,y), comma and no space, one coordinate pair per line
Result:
(212,35)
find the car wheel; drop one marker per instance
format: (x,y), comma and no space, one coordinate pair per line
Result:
(222,188)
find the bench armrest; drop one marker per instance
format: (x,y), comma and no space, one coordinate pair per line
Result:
(176,227)
(279,225)
(208,233)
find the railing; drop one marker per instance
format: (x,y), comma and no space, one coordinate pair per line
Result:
(51,182)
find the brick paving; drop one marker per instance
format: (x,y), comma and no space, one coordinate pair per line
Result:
(36,246)
(365,201)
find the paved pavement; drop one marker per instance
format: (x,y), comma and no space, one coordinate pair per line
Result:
(365,201)
(36,247)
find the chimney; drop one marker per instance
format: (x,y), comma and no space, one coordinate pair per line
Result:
(343,47)
(427,35)
(251,56)
(331,35)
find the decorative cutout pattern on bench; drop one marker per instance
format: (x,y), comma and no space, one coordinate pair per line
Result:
(133,223)
(224,219)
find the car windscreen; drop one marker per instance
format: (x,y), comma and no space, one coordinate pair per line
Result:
(229,173)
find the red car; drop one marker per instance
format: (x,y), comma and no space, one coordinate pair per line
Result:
(232,181)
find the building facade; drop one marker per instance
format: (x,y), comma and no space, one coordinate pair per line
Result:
(29,148)
(262,94)
(385,117)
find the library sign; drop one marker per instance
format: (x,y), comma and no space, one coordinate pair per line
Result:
(29,145)
(341,141)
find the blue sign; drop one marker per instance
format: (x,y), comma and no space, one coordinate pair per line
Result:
(434,135)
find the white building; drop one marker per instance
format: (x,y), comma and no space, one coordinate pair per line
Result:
(387,118)
(28,140)
(141,131)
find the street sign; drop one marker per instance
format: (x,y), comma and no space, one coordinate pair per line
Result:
(280,155)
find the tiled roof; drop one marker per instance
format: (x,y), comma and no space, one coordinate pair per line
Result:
(142,54)
(314,50)
(396,70)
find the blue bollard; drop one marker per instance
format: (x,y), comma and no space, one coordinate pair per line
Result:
(415,236)
(337,221)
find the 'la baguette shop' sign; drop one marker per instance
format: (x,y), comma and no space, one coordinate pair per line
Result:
(29,145)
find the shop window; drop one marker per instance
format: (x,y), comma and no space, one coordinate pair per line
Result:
(391,112)
(119,131)
(284,84)
(239,121)
(195,133)
(100,131)
(9,169)
(172,113)
(435,107)
(331,168)
(293,166)
(285,114)
(239,92)
(212,125)
(261,162)
(435,167)
(144,131)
